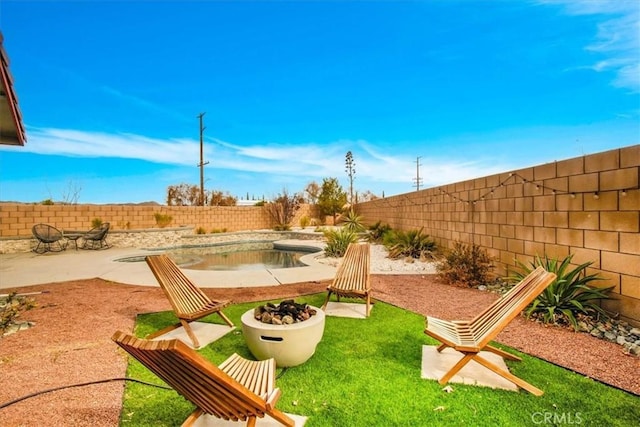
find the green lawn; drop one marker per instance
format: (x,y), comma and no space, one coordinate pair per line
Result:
(367,373)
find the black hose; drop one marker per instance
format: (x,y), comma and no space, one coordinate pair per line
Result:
(20,399)
(282,372)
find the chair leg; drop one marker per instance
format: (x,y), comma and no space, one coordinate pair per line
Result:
(326,301)
(163,331)
(192,418)
(368,305)
(509,376)
(441,347)
(281,417)
(226,319)
(190,332)
(454,370)
(502,353)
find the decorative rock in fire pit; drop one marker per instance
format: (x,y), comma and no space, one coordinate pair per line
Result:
(285,313)
(288,332)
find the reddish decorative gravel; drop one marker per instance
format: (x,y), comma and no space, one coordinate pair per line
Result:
(71,343)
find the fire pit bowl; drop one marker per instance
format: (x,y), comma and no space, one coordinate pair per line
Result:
(289,345)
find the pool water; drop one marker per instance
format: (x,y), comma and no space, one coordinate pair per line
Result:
(257,259)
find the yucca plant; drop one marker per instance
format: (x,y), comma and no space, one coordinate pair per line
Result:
(352,221)
(338,240)
(410,243)
(570,293)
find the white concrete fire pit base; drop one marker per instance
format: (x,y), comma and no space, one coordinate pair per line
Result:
(289,345)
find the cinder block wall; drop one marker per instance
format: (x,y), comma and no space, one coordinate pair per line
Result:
(586,206)
(16,220)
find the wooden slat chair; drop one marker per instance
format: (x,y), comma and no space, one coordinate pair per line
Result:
(353,280)
(188,301)
(471,337)
(237,390)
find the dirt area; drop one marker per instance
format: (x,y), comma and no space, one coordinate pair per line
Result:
(71,344)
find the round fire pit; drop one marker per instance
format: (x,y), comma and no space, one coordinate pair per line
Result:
(289,345)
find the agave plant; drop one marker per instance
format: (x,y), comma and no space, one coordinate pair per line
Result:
(410,243)
(338,240)
(352,221)
(570,293)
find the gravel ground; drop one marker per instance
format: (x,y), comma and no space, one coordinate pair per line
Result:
(380,264)
(70,343)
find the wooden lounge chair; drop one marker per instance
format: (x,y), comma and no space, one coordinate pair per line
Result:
(471,337)
(96,238)
(237,390)
(188,301)
(49,238)
(352,279)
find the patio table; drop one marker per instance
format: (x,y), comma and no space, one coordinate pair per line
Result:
(73,236)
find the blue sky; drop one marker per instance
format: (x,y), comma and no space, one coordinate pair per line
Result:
(110,92)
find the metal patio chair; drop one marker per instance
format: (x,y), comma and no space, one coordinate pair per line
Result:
(50,239)
(96,238)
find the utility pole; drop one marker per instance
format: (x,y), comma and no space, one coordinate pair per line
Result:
(202,162)
(417,179)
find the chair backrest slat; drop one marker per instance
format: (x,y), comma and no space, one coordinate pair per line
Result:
(488,324)
(195,378)
(184,296)
(353,272)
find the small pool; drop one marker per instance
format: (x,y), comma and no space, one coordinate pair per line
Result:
(254,256)
(255,259)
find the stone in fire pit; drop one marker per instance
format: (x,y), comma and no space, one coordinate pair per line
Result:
(285,313)
(292,341)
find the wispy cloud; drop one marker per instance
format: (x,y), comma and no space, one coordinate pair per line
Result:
(617,37)
(75,143)
(310,161)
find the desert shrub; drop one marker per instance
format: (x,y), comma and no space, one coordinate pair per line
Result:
(410,243)
(569,294)
(96,222)
(377,231)
(47,202)
(201,230)
(466,264)
(162,220)
(283,209)
(10,308)
(352,221)
(338,240)
(125,225)
(304,221)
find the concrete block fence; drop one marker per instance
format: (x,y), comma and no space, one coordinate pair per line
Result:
(587,206)
(16,220)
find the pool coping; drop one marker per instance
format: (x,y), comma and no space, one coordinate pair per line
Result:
(29,269)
